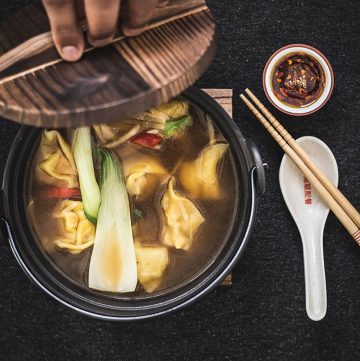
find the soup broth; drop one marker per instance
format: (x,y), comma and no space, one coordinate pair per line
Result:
(147,213)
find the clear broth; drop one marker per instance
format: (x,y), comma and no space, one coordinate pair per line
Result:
(183,265)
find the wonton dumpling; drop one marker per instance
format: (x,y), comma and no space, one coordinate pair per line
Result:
(56,162)
(79,232)
(114,134)
(157,117)
(200,176)
(136,179)
(151,264)
(175,108)
(181,219)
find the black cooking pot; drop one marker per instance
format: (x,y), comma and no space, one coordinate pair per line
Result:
(37,265)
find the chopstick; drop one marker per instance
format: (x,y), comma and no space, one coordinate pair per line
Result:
(340,198)
(334,199)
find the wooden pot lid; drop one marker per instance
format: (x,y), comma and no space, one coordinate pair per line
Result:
(129,76)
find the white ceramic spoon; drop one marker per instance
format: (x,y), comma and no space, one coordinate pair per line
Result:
(310,213)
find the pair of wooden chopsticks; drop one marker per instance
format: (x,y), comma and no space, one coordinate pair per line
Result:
(335,200)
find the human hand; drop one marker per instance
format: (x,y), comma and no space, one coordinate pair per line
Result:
(102,18)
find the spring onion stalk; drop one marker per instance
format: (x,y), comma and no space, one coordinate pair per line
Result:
(90,191)
(113,261)
(175,127)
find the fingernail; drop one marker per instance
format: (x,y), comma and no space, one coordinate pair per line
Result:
(70,53)
(133,31)
(98,43)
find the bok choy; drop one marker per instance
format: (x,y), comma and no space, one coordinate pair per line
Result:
(90,191)
(113,261)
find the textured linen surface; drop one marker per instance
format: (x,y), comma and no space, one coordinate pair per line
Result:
(262,316)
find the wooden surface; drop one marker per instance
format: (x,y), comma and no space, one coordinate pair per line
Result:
(227,282)
(128,76)
(225,98)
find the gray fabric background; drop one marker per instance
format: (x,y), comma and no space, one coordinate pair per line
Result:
(262,317)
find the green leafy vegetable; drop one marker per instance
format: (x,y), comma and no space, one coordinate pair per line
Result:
(155,118)
(90,191)
(113,261)
(175,127)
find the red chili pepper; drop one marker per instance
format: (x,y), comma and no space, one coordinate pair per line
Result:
(148,140)
(63,193)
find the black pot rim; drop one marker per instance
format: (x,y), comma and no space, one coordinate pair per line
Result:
(80,303)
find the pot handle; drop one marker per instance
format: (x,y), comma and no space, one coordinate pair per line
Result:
(6,232)
(5,229)
(3,222)
(259,165)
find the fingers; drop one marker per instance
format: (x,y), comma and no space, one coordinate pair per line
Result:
(138,14)
(67,35)
(102,18)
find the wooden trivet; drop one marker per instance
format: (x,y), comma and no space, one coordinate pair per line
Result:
(224,97)
(130,75)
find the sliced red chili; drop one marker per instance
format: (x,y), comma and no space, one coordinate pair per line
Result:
(62,193)
(148,140)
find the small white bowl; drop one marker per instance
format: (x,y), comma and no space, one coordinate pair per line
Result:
(283,53)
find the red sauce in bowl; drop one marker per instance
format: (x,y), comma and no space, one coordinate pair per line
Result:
(298,80)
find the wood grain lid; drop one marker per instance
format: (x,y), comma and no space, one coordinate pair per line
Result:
(131,75)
